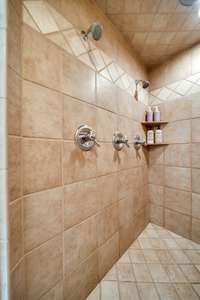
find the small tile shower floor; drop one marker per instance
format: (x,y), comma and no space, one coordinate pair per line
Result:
(159,265)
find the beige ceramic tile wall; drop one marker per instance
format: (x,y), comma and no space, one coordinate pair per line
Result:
(174,195)
(72,213)
(174,173)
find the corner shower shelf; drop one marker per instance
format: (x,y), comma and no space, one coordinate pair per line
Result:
(154,123)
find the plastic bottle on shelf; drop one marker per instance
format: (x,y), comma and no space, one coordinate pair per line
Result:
(149,114)
(150,136)
(158,136)
(156,114)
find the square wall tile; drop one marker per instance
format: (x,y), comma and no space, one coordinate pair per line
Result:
(84,283)
(41,15)
(106,125)
(156,174)
(14,83)
(107,189)
(56,293)
(38,60)
(14,34)
(43,268)
(14,168)
(106,94)
(108,254)
(178,200)
(195,130)
(195,105)
(107,159)
(107,223)
(178,155)
(196,155)
(179,178)
(177,132)
(15,232)
(77,164)
(42,112)
(77,113)
(195,181)
(156,194)
(156,156)
(80,201)
(179,109)
(79,242)
(17,282)
(196,206)
(78,80)
(196,230)
(157,214)
(179,223)
(41,157)
(42,213)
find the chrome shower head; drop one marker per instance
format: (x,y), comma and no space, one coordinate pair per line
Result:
(95,30)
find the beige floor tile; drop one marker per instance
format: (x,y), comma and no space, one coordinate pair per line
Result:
(185,244)
(145,243)
(185,292)
(125,272)
(147,291)
(193,255)
(151,233)
(196,287)
(142,273)
(95,294)
(135,245)
(164,257)
(179,256)
(158,244)
(192,274)
(136,256)
(150,256)
(171,244)
(111,275)
(158,273)
(167,291)
(128,291)
(109,290)
(175,274)
(125,258)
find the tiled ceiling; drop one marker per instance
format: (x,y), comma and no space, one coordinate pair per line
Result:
(157,29)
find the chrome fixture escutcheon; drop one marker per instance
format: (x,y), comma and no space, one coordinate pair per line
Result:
(138,142)
(85,137)
(119,140)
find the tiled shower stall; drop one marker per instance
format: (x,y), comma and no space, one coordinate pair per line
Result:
(68,215)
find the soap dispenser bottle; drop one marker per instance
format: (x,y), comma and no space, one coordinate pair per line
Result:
(149,114)
(150,136)
(156,114)
(158,136)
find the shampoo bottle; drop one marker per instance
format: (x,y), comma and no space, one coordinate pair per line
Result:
(150,137)
(149,114)
(156,114)
(158,136)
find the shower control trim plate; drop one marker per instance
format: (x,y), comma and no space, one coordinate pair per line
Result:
(119,140)
(138,142)
(85,138)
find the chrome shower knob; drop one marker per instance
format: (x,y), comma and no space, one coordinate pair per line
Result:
(138,142)
(85,138)
(119,140)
